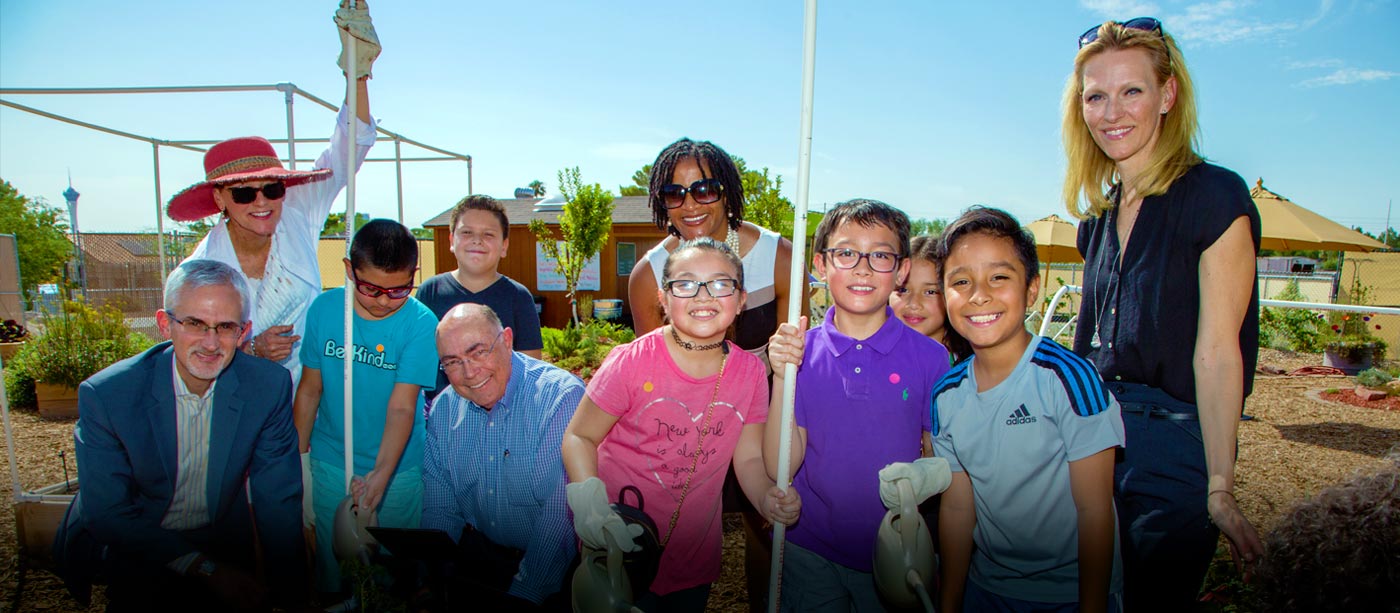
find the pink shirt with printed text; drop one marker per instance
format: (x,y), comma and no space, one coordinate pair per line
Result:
(661,412)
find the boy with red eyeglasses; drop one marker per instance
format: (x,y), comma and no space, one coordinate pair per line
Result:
(395,356)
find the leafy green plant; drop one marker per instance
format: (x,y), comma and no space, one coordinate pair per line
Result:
(1373,378)
(1291,329)
(76,343)
(581,348)
(583,225)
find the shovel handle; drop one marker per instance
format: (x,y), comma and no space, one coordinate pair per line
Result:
(908,513)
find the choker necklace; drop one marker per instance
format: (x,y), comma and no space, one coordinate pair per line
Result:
(731,238)
(689,346)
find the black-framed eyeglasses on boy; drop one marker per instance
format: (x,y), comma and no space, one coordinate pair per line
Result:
(846,259)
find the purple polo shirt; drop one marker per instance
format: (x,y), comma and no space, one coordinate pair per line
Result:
(864,403)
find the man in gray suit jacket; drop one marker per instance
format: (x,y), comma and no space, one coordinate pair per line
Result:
(187,465)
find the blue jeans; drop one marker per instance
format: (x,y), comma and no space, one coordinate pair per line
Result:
(978,600)
(814,583)
(1165,534)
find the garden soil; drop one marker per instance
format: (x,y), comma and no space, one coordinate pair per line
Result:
(1295,444)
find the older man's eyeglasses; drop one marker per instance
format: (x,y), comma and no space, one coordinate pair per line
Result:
(456,364)
(688,288)
(246,195)
(227,330)
(880,261)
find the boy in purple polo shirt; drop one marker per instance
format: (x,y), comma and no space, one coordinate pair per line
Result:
(862,403)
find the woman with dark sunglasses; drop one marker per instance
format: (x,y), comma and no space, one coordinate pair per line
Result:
(1170,312)
(696,191)
(270,218)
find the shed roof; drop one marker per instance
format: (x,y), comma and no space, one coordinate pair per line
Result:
(119,247)
(520,211)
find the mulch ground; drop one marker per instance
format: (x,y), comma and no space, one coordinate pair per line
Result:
(1296,444)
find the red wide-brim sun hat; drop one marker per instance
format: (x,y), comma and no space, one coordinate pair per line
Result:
(247,158)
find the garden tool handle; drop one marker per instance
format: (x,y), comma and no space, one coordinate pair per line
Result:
(615,570)
(908,513)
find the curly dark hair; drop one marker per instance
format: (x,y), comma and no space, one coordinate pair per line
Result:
(1339,551)
(712,160)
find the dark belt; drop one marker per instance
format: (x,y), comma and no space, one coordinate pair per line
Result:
(1159,413)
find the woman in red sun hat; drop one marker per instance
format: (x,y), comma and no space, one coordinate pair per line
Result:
(270,218)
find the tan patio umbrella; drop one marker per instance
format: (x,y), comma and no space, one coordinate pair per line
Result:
(1289,227)
(1054,242)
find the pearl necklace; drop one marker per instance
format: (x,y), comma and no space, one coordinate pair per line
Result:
(731,238)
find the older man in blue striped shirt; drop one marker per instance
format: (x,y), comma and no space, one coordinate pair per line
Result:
(492,475)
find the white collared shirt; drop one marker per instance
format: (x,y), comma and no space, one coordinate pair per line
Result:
(189,507)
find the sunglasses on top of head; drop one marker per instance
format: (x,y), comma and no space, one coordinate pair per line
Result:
(246,195)
(1145,24)
(703,191)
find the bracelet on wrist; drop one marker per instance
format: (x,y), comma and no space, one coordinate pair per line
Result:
(1221,491)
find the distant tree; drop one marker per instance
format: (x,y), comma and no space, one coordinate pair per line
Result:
(335,224)
(926,227)
(764,203)
(422,233)
(40,236)
(538,187)
(641,183)
(583,225)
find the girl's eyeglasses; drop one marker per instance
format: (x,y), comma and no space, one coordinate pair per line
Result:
(1146,24)
(718,288)
(703,191)
(246,195)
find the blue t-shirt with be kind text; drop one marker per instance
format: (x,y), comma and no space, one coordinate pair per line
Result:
(400,348)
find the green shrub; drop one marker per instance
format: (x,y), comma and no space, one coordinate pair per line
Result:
(1374,377)
(76,343)
(581,349)
(1291,329)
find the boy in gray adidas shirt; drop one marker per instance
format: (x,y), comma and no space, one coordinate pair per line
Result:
(1029,432)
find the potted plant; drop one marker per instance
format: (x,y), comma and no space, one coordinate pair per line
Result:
(75,343)
(12,337)
(1353,349)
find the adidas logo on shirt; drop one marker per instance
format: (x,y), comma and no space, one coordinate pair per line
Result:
(1020,416)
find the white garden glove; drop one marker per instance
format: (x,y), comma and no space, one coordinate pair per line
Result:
(928,476)
(593,518)
(308,511)
(357,24)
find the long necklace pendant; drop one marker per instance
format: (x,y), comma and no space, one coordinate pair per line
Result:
(1094,341)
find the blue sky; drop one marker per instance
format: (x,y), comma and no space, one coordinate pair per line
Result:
(931,106)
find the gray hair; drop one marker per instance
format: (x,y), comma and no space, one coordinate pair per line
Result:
(195,274)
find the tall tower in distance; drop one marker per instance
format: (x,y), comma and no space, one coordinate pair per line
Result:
(80,271)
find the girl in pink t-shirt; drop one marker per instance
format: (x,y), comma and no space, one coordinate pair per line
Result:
(667,413)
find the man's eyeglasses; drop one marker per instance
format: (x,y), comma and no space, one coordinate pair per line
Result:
(703,191)
(880,261)
(227,330)
(246,195)
(1146,24)
(718,288)
(455,364)
(374,291)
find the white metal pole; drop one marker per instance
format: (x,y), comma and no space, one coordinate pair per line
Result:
(798,284)
(398,172)
(160,215)
(287,95)
(352,130)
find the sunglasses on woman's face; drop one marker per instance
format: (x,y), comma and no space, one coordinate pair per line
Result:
(246,195)
(1146,24)
(703,191)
